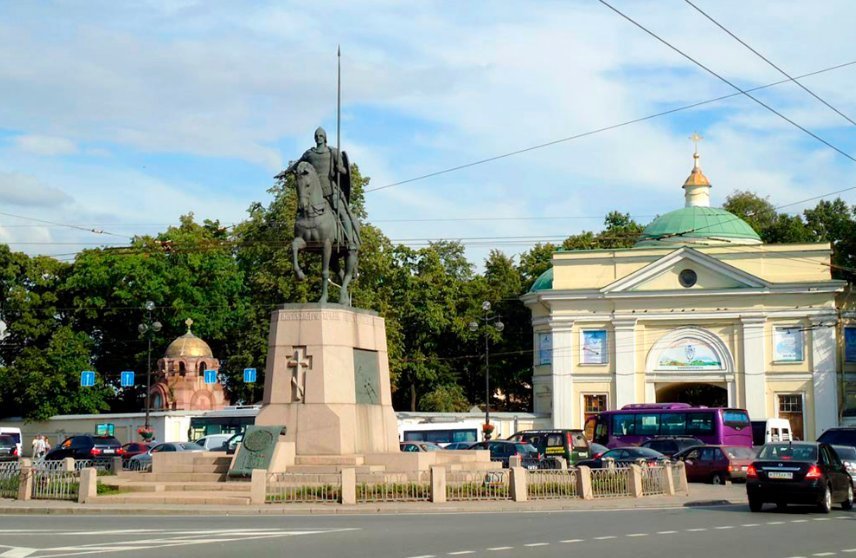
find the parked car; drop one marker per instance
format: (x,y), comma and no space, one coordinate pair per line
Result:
(419,446)
(570,445)
(502,450)
(597,450)
(15,433)
(839,436)
(798,473)
(623,457)
(213,441)
(86,446)
(670,445)
(143,461)
(847,455)
(132,449)
(458,446)
(8,448)
(716,464)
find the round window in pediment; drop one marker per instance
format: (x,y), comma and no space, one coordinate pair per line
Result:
(687,278)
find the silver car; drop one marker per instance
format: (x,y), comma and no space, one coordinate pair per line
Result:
(143,461)
(847,455)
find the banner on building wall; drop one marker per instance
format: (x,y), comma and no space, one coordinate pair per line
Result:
(850,344)
(545,348)
(689,354)
(788,344)
(594,348)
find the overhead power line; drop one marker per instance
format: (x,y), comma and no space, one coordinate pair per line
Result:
(724,80)
(770,62)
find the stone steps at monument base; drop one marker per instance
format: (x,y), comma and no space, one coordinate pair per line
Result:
(333,469)
(178,497)
(342,460)
(227,487)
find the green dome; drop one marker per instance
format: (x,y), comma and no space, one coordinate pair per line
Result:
(697,225)
(544,282)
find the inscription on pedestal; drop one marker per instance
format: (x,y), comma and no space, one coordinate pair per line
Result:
(366,377)
(316,315)
(256,450)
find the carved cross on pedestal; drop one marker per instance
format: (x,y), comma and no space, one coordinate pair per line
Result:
(301,363)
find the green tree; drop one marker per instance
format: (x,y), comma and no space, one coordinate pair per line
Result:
(448,398)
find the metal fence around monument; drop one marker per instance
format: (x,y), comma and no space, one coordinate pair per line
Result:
(55,485)
(395,487)
(462,486)
(654,480)
(10,474)
(101,465)
(551,484)
(304,488)
(611,483)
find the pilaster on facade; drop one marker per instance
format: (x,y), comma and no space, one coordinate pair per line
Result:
(824,364)
(563,369)
(625,362)
(754,365)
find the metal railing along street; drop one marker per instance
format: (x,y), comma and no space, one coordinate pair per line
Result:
(611,482)
(293,488)
(654,481)
(550,484)
(478,485)
(55,484)
(10,474)
(395,487)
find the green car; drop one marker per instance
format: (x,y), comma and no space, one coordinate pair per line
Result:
(570,445)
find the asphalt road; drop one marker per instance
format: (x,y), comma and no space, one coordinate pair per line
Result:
(696,532)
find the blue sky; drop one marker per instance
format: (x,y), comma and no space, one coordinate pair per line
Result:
(123,116)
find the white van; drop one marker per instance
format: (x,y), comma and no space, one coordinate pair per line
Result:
(14,432)
(771,430)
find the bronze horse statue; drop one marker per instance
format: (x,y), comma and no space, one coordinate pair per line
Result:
(316,229)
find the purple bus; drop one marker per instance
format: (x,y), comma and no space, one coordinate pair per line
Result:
(635,423)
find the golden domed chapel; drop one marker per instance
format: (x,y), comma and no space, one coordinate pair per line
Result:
(179,382)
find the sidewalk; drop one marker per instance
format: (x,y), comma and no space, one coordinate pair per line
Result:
(700,495)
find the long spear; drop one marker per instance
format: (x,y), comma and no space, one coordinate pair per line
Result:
(338,137)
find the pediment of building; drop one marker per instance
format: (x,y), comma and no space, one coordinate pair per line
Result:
(686,269)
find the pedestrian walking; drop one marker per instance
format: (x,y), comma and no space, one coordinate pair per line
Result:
(39,446)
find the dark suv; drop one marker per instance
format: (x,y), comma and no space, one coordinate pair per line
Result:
(670,445)
(86,446)
(8,448)
(570,445)
(839,436)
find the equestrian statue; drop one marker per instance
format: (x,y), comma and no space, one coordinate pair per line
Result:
(324,222)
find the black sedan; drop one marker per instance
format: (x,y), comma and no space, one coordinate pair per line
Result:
(798,473)
(502,450)
(622,457)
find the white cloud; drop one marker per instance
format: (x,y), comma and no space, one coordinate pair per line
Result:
(28,191)
(45,145)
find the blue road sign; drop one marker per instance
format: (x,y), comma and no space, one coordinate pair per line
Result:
(87,378)
(210,376)
(126,379)
(249,375)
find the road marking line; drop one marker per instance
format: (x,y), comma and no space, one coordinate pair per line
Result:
(725,527)
(18,552)
(501,548)
(424,556)
(460,552)
(822,519)
(775,523)
(605,538)
(849,550)
(799,521)
(697,529)
(572,540)
(537,544)
(750,525)
(824,554)
(638,535)
(666,532)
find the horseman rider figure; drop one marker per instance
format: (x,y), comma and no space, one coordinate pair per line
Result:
(329,164)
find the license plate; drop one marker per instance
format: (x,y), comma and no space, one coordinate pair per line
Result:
(744,468)
(780,475)
(109,451)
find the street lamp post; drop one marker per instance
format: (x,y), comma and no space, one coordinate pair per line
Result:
(498,326)
(147,328)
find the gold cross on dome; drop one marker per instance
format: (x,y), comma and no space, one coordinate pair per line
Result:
(188,322)
(696,137)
